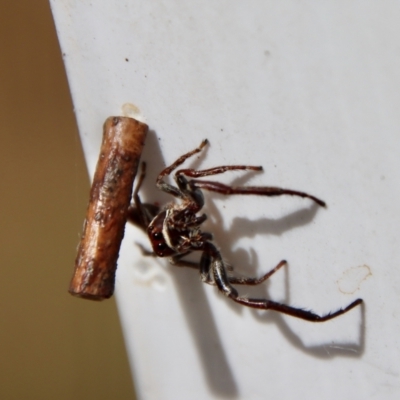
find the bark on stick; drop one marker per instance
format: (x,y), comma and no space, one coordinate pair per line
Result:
(110,196)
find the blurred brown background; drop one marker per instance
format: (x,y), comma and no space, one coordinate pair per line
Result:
(52,346)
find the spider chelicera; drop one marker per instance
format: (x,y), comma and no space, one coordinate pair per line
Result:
(174,231)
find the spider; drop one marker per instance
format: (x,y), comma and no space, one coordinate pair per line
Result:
(175,231)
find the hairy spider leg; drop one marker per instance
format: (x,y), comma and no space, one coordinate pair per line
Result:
(230,190)
(212,263)
(206,265)
(255,281)
(145,218)
(195,173)
(142,214)
(252,190)
(265,304)
(167,171)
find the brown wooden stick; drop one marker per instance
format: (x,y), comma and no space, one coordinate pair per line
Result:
(110,196)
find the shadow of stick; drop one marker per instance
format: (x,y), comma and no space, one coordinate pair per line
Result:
(200,319)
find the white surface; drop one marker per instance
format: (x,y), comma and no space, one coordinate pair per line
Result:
(309,90)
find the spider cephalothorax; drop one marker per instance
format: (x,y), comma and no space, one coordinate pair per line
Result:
(175,232)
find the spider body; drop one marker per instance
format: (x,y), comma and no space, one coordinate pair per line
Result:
(175,231)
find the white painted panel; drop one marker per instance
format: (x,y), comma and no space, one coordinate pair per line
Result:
(310,91)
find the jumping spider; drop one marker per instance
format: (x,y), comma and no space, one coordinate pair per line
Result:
(175,232)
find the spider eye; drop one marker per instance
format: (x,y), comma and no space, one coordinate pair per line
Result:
(161,246)
(157,236)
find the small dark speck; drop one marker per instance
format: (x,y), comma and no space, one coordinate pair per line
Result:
(383,177)
(222,130)
(267,53)
(126,59)
(63,54)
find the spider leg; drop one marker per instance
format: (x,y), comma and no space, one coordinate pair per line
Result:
(265,304)
(195,222)
(221,279)
(206,263)
(141,214)
(194,173)
(254,190)
(167,171)
(255,281)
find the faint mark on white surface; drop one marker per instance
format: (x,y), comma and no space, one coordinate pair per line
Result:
(352,278)
(150,275)
(343,348)
(132,111)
